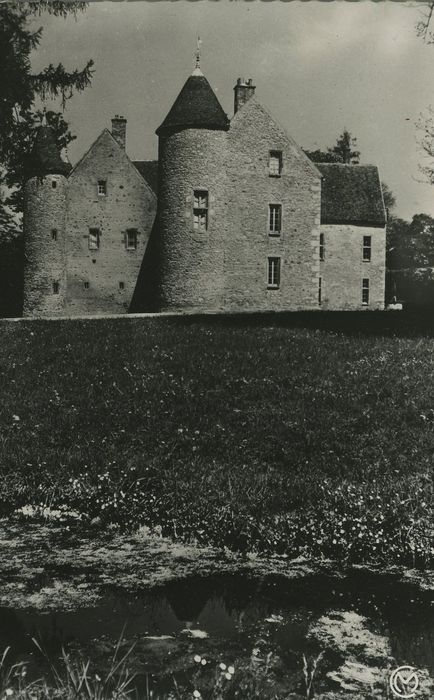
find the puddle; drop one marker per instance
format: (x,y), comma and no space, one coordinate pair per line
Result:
(236,619)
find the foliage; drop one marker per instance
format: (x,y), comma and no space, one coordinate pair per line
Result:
(20,87)
(250,435)
(344,151)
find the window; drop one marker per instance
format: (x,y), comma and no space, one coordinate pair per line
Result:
(86,285)
(320,291)
(367,244)
(94,238)
(54,234)
(365,291)
(102,187)
(200,211)
(275,163)
(55,287)
(275,219)
(321,247)
(53,184)
(121,285)
(273,273)
(131,239)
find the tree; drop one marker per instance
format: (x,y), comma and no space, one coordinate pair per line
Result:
(342,152)
(20,88)
(389,199)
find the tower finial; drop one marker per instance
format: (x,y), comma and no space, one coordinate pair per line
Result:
(44,117)
(197,52)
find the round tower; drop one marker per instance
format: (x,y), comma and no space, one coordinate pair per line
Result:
(44,228)
(191,200)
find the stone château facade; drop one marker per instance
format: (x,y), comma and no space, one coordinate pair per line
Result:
(232,217)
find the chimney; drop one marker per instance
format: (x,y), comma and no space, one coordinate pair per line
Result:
(243,91)
(119,130)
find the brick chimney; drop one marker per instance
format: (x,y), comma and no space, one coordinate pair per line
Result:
(119,130)
(243,91)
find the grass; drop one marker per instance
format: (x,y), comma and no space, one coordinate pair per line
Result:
(254,433)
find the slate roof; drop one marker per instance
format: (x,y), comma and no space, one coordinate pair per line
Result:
(45,158)
(351,194)
(148,169)
(196,107)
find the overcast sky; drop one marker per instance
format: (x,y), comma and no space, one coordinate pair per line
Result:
(318,67)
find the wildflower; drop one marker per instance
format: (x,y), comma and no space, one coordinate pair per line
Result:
(223,667)
(16,419)
(198,658)
(228,676)
(9,691)
(231,670)
(196,694)
(203,662)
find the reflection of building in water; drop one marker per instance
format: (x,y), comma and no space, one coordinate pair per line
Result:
(188,597)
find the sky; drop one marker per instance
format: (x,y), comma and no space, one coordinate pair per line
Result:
(318,67)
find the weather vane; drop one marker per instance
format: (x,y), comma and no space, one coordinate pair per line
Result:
(197,52)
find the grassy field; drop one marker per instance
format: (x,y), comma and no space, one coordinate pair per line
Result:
(253,433)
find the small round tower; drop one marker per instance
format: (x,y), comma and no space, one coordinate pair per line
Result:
(44,228)
(191,206)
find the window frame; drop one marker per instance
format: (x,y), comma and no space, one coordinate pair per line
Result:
(102,183)
(272,157)
(365,291)
(97,237)
(319,291)
(54,233)
(274,267)
(273,230)
(135,233)
(121,286)
(200,211)
(55,286)
(367,249)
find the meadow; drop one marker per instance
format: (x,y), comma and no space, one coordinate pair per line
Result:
(300,436)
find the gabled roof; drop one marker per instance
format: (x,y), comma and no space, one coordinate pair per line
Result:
(196,107)
(148,169)
(45,157)
(351,194)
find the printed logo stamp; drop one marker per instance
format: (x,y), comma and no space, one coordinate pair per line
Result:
(404,682)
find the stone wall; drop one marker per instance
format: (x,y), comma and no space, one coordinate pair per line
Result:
(343,268)
(44,246)
(250,190)
(190,263)
(103,280)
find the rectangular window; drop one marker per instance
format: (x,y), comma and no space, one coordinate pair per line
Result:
(275,163)
(121,285)
(365,291)
(86,285)
(102,187)
(273,273)
(55,287)
(321,247)
(94,238)
(131,239)
(54,234)
(53,184)
(200,211)
(275,219)
(320,291)
(367,246)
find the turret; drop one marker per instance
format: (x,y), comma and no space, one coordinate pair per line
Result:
(44,228)
(191,214)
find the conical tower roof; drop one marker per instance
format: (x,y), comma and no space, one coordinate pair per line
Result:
(45,157)
(196,107)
